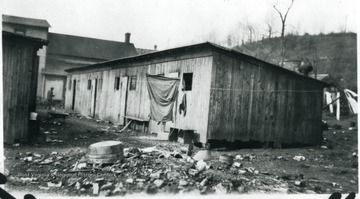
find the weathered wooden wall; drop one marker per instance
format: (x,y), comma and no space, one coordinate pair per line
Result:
(137,103)
(58,83)
(250,101)
(19,85)
(234,97)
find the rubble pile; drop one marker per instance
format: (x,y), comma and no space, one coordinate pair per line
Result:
(158,169)
(175,168)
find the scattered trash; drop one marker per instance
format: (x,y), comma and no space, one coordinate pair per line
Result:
(173,175)
(37,155)
(80,165)
(193,172)
(202,155)
(183,183)
(227,159)
(239,157)
(299,158)
(44,188)
(204,182)
(201,165)
(158,183)
(300,183)
(149,150)
(162,168)
(77,185)
(220,189)
(155,175)
(51,184)
(130,180)
(241,171)
(324,147)
(177,155)
(28,159)
(279,157)
(28,179)
(106,186)
(71,181)
(237,164)
(47,161)
(96,189)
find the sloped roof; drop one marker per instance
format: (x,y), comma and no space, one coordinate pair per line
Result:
(25,21)
(187,48)
(76,46)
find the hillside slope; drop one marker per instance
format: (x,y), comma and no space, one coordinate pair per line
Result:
(335,53)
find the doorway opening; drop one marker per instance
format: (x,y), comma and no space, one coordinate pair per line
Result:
(74,94)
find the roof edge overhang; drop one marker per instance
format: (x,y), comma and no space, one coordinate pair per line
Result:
(138,57)
(23,37)
(192,47)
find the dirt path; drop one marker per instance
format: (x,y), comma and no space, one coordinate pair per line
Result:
(325,169)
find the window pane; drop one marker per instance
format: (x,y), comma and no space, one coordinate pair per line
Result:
(187,81)
(117,82)
(89,84)
(133,82)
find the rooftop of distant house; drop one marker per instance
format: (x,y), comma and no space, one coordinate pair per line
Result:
(77,46)
(25,21)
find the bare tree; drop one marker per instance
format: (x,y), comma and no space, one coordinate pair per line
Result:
(270,25)
(251,32)
(283,17)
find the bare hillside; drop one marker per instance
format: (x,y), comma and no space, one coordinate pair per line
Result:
(334,53)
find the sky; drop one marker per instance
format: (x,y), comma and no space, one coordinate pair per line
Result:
(173,23)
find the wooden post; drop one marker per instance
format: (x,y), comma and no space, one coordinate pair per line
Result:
(338,106)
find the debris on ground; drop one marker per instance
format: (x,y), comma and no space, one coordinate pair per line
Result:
(299,158)
(152,167)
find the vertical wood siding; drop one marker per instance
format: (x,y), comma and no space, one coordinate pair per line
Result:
(249,102)
(19,86)
(137,103)
(232,98)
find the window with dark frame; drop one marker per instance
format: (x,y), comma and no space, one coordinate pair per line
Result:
(89,84)
(133,82)
(188,80)
(70,82)
(117,83)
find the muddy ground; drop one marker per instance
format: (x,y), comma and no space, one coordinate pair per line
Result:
(49,167)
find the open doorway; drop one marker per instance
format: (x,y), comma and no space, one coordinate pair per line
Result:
(74,94)
(93,97)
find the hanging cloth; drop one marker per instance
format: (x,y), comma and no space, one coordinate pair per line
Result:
(182,106)
(162,92)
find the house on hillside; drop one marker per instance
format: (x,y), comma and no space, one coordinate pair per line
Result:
(219,94)
(68,51)
(292,65)
(23,41)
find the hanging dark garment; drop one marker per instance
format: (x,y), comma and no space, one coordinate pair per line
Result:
(182,106)
(163,92)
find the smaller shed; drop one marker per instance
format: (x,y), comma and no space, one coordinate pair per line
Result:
(225,95)
(20,70)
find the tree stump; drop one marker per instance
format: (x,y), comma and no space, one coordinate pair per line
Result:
(105,152)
